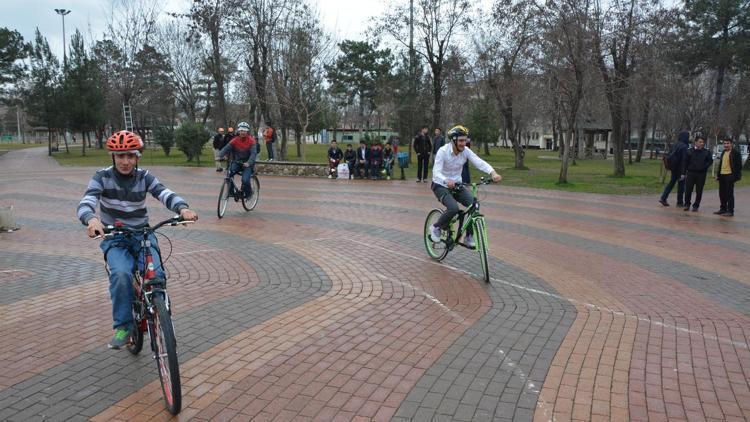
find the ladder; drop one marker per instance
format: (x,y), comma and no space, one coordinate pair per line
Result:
(127,117)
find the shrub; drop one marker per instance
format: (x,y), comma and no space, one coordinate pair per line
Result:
(164,137)
(190,138)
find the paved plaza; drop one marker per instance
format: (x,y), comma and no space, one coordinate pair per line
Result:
(322,304)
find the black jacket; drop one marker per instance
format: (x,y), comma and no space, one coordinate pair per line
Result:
(366,154)
(422,144)
(735,161)
(218,141)
(696,161)
(335,154)
(350,155)
(438,143)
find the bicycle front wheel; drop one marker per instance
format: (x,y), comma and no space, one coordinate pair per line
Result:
(136,334)
(223,198)
(480,234)
(165,353)
(436,250)
(251,201)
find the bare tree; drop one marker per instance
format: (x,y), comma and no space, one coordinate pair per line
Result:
(565,48)
(299,76)
(186,58)
(210,18)
(502,50)
(436,23)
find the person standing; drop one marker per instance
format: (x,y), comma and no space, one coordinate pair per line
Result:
(423,148)
(730,171)
(438,141)
(229,136)
(673,162)
(694,167)
(269,135)
(218,144)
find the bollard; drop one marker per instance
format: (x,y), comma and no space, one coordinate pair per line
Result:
(7,221)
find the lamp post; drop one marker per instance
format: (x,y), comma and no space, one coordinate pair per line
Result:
(63,12)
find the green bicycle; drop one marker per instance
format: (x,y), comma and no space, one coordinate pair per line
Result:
(470,217)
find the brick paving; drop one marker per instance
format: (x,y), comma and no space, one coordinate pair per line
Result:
(322,305)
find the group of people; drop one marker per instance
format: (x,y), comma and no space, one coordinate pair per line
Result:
(689,167)
(221,139)
(365,162)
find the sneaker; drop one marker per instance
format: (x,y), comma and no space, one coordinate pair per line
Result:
(419,180)
(469,241)
(435,234)
(679,204)
(121,338)
(664,202)
(728,214)
(388,178)
(687,207)
(720,212)
(695,209)
(424,180)
(219,169)
(330,177)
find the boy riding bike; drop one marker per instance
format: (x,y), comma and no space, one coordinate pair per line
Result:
(244,151)
(446,175)
(120,190)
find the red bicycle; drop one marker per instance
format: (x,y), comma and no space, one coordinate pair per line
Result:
(152,313)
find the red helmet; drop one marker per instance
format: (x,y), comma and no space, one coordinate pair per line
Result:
(124,141)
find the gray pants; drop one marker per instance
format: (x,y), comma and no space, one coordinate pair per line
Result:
(451,200)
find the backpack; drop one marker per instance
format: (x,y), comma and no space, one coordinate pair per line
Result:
(268,134)
(672,160)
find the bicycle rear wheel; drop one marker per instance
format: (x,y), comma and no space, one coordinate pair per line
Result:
(165,352)
(480,234)
(250,202)
(223,198)
(436,250)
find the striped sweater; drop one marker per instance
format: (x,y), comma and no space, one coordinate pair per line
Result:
(123,198)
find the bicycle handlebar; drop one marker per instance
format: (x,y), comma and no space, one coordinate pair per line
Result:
(111,230)
(483,181)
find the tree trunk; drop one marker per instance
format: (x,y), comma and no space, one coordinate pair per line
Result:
(617,143)
(642,131)
(437,93)
(297,141)
(284,139)
(565,148)
(218,76)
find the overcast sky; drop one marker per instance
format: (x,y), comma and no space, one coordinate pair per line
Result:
(343,18)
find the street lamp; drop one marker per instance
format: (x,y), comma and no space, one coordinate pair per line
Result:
(63,12)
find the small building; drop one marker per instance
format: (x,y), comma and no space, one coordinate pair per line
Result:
(353,136)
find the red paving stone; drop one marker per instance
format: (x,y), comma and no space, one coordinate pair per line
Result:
(643,344)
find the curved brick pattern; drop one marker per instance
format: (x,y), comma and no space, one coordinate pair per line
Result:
(332,309)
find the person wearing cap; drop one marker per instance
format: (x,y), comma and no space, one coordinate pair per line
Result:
(218,144)
(120,192)
(730,172)
(243,149)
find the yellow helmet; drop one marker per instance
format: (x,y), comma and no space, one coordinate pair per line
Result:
(457,132)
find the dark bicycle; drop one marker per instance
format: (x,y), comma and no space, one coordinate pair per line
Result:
(152,313)
(457,227)
(231,189)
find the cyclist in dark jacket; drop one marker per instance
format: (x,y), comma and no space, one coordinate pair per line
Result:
(694,167)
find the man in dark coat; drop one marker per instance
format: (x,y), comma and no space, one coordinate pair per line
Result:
(423,148)
(730,171)
(674,163)
(218,144)
(694,167)
(363,160)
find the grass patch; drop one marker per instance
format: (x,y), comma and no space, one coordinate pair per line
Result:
(542,168)
(12,146)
